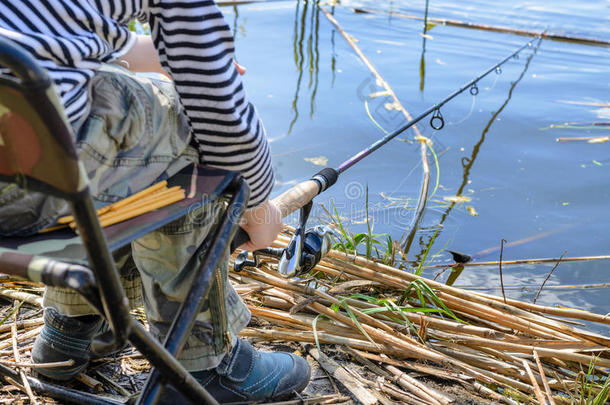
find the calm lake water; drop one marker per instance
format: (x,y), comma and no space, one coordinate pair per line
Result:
(499,148)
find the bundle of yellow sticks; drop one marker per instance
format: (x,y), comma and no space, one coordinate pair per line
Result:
(154,197)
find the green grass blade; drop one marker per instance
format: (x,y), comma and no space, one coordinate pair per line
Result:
(421,267)
(408,322)
(368,112)
(604,395)
(355,319)
(437,301)
(364,297)
(347,240)
(420,297)
(438,169)
(11,313)
(369,240)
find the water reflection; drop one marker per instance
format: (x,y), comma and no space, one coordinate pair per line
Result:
(306,23)
(314,63)
(333,54)
(468,162)
(422,61)
(235,19)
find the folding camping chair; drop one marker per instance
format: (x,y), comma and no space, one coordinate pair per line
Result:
(37,152)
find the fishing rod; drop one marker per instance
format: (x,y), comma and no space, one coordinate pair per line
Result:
(305,249)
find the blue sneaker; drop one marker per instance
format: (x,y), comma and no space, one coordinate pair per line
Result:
(63,338)
(248,375)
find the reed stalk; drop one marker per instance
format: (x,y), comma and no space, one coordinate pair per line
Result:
(16,355)
(423,195)
(460,293)
(491,28)
(488,349)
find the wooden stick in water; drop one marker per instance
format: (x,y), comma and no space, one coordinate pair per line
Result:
(584,138)
(588,103)
(500,266)
(380,80)
(528,261)
(509,30)
(548,276)
(532,287)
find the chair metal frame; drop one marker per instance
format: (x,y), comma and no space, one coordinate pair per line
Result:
(61,174)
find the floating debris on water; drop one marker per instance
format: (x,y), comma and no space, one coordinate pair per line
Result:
(472,211)
(603,113)
(387,42)
(589,139)
(600,139)
(594,104)
(392,106)
(383,93)
(457,198)
(317,160)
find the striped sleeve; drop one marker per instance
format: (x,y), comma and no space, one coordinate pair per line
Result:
(113,28)
(195,47)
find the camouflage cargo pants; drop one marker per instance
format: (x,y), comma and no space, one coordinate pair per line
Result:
(136,135)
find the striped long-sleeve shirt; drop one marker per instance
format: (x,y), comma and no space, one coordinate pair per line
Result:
(72,38)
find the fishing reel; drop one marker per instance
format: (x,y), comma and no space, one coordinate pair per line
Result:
(303,253)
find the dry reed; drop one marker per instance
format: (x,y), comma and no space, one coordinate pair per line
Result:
(485,347)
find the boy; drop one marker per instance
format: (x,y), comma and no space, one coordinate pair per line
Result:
(133,131)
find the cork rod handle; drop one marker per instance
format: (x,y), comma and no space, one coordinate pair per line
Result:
(295,198)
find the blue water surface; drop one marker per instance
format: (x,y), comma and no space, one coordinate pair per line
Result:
(499,148)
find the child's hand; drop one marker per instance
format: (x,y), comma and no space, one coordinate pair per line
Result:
(240,69)
(262,224)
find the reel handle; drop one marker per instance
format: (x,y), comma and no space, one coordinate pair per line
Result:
(239,239)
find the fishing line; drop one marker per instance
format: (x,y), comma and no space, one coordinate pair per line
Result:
(437,121)
(469,112)
(494,83)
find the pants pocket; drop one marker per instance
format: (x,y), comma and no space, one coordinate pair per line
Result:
(134,133)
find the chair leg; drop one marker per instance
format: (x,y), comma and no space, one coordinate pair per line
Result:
(170,368)
(185,319)
(78,279)
(166,367)
(113,299)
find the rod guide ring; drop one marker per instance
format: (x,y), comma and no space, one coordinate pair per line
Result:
(437,121)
